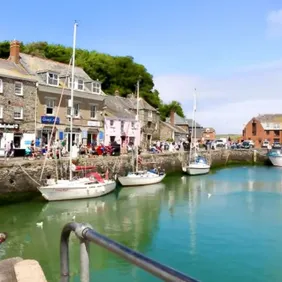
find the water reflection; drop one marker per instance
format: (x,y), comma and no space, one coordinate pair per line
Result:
(175,222)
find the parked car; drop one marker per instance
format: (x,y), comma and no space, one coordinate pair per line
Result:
(265,144)
(276,145)
(218,144)
(248,144)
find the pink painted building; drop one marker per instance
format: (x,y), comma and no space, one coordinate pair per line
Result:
(122,131)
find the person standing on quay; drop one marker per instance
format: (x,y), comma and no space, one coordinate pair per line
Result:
(7,150)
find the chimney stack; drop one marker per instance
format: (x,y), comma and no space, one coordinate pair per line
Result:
(116,93)
(15,51)
(172,117)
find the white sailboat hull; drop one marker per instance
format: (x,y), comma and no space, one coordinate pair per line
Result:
(76,189)
(141,179)
(196,169)
(276,160)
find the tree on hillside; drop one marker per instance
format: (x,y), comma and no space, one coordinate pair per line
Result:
(115,72)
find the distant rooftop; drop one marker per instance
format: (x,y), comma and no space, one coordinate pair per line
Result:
(125,107)
(182,121)
(34,65)
(10,69)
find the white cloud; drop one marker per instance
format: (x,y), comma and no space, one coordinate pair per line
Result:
(274,23)
(227,102)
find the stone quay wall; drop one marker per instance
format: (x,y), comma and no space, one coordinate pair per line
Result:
(18,177)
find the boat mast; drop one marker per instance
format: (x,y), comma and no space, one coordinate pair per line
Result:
(137,118)
(71,99)
(194,118)
(193,131)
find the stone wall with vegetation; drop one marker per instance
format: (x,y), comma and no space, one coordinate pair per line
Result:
(17,178)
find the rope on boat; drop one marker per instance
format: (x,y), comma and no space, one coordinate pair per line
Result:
(29,176)
(56,116)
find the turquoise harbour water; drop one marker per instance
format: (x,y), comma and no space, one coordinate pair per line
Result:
(234,235)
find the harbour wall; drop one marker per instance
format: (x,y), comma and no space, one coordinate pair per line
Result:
(18,177)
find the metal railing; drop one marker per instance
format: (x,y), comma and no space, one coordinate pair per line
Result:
(86,234)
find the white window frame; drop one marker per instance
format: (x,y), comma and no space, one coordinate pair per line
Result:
(46,106)
(150,114)
(112,122)
(122,123)
(75,104)
(76,108)
(1,86)
(53,79)
(20,85)
(77,83)
(133,124)
(80,82)
(1,111)
(96,87)
(91,111)
(21,112)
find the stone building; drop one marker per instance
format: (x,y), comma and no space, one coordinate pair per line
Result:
(185,124)
(264,127)
(54,83)
(169,132)
(125,108)
(18,92)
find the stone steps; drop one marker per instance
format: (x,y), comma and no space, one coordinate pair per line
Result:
(19,270)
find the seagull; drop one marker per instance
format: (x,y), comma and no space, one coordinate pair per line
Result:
(209,195)
(39,224)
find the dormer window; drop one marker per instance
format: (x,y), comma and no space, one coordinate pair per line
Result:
(96,87)
(53,79)
(78,83)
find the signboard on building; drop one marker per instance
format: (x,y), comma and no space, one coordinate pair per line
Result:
(93,123)
(49,120)
(9,126)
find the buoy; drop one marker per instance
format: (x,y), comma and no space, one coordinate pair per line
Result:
(3,237)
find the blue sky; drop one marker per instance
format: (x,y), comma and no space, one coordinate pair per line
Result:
(231,51)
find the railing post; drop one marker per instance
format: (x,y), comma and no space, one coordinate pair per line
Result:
(86,234)
(84,251)
(84,261)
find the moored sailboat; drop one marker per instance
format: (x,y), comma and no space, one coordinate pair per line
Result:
(75,188)
(141,177)
(196,164)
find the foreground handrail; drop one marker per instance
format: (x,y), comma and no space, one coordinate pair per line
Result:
(86,234)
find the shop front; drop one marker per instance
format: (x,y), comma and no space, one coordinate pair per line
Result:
(10,132)
(92,136)
(44,134)
(76,136)
(93,133)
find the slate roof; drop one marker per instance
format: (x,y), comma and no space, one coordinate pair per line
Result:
(270,121)
(34,65)
(208,129)
(182,121)
(173,127)
(125,107)
(199,132)
(12,70)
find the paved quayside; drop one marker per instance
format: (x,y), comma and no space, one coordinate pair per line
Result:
(19,270)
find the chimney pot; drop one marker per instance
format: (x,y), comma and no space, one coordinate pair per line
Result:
(116,93)
(15,51)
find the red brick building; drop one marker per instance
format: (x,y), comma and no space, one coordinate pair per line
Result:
(208,134)
(264,127)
